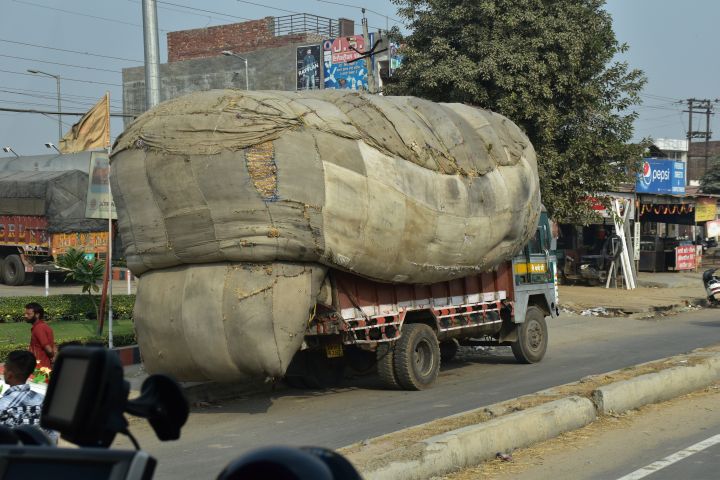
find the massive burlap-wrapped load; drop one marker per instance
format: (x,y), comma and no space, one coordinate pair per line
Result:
(233,205)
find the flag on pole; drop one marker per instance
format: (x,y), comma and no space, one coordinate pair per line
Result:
(92,131)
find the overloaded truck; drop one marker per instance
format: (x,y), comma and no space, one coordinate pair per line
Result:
(288,234)
(42,215)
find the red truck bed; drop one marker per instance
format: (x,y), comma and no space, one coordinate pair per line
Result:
(371,311)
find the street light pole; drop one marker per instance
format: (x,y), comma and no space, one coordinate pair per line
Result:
(57,80)
(228,53)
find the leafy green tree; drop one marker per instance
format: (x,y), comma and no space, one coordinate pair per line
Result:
(710,182)
(85,272)
(549,66)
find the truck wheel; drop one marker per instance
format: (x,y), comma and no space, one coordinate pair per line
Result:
(416,357)
(13,270)
(385,365)
(532,339)
(448,350)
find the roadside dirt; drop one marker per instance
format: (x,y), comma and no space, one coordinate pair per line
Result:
(642,299)
(609,441)
(403,444)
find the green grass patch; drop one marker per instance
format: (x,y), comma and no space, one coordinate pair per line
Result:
(16,336)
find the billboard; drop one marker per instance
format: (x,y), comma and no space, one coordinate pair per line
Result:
(661,176)
(341,67)
(705,209)
(712,229)
(308,67)
(396,58)
(98,196)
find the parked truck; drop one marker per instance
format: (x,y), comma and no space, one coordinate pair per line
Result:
(288,234)
(410,329)
(42,215)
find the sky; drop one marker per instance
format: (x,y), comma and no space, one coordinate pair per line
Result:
(88,42)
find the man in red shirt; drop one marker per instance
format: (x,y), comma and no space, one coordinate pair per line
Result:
(42,340)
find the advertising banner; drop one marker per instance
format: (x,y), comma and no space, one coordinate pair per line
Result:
(98,195)
(90,243)
(661,176)
(308,67)
(339,69)
(395,58)
(705,209)
(685,257)
(712,229)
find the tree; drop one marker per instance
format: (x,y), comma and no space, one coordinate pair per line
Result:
(85,272)
(545,64)
(710,182)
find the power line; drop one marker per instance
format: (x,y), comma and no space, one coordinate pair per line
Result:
(76,99)
(55,120)
(660,97)
(61,64)
(203,10)
(72,12)
(267,6)
(94,98)
(43,112)
(186,12)
(70,51)
(52,96)
(395,20)
(66,79)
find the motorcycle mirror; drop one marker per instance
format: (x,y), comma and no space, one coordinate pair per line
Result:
(163,404)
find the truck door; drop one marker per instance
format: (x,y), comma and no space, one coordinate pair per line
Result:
(535,266)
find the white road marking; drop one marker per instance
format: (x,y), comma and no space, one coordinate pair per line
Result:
(674,458)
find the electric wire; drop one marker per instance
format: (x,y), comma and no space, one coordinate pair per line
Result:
(15,42)
(61,64)
(72,12)
(66,79)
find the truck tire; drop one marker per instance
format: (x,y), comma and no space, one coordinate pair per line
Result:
(416,357)
(385,365)
(13,270)
(448,350)
(532,339)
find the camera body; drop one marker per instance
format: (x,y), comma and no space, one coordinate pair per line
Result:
(86,402)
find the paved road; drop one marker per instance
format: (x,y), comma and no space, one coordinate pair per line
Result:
(679,439)
(59,288)
(579,346)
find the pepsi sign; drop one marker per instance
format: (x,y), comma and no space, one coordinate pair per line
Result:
(661,176)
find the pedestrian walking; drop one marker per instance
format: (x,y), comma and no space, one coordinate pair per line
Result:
(42,339)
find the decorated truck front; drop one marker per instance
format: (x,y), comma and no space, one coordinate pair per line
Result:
(42,214)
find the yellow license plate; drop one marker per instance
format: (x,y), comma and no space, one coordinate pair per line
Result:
(334,351)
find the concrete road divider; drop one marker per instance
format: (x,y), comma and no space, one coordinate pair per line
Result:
(656,387)
(443,453)
(476,443)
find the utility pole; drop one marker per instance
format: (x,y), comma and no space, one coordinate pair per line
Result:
(152,53)
(368,59)
(695,107)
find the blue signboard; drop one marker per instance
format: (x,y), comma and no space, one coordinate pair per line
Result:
(343,67)
(661,176)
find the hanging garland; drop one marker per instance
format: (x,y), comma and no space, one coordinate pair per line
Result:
(675,209)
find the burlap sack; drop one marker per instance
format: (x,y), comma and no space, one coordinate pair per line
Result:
(215,188)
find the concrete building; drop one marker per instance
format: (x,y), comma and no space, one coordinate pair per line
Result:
(672,148)
(196,61)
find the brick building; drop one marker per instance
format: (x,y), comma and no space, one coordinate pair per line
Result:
(196,61)
(269,32)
